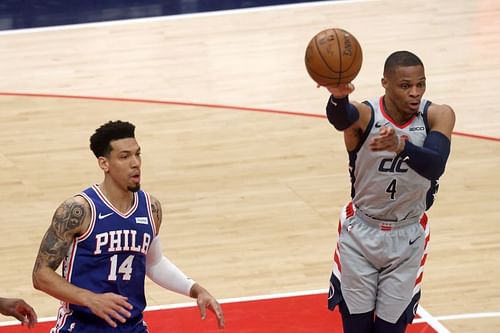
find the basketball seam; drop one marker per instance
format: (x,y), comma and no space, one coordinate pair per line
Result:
(340,56)
(321,75)
(321,55)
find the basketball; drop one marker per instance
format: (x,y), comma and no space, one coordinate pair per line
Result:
(333,56)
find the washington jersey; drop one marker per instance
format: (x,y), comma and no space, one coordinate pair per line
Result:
(383,185)
(111,255)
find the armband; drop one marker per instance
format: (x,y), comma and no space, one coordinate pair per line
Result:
(340,113)
(164,273)
(430,160)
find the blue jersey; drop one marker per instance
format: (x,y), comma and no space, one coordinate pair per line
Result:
(111,255)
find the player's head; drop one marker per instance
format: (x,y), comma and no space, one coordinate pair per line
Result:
(404,81)
(118,153)
(401,59)
(100,141)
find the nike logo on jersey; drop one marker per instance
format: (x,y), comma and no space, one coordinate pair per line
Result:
(380,123)
(101,216)
(413,241)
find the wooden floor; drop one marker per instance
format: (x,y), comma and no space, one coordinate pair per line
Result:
(251,197)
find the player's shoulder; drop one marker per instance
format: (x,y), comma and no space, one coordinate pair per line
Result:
(156,209)
(154,200)
(440,111)
(76,201)
(440,108)
(441,117)
(74,213)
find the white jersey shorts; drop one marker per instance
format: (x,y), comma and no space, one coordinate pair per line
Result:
(378,265)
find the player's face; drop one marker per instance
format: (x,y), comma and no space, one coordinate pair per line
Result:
(404,88)
(124,163)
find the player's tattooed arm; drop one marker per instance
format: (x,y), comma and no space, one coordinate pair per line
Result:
(157,212)
(70,220)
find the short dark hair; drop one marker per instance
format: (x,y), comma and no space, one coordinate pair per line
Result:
(112,130)
(401,59)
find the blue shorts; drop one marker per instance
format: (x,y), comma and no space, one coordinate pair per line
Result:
(78,322)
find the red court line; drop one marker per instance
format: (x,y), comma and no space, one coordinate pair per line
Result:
(216,106)
(138,100)
(291,314)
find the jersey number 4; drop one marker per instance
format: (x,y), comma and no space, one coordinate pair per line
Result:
(125,268)
(392,189)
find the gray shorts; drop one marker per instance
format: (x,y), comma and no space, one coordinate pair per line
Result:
(378,265)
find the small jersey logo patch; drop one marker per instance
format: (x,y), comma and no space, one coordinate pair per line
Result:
(141,220)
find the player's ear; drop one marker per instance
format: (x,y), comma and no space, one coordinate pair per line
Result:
(384,82)
(103,163)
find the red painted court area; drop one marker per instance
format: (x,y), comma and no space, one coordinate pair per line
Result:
(291,314)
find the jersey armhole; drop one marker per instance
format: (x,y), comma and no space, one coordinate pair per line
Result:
(425,115)
(150,213)
(93,215)
(367,130)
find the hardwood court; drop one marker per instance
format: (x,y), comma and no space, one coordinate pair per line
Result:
(251,198)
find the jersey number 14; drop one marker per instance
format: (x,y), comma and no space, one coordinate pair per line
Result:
(125,268)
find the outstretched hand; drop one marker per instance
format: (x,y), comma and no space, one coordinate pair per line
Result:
(387,139)
(19,309)
(339,90)
(206,301)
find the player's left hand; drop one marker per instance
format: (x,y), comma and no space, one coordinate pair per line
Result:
(204,301)
(19,309)
(387,139)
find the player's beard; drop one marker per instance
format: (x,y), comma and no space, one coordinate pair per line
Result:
(134,188)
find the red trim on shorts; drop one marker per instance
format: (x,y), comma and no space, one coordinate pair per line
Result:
(349,210)
(423,221)
(385,227)
(419,279)
(337,260)
(424,259)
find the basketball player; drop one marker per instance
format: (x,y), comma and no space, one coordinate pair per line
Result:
(107,238)
(398,146)
(18,309)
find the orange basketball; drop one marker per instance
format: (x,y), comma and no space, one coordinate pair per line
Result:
(333,56)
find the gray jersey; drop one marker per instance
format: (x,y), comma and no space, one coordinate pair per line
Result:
(384,187)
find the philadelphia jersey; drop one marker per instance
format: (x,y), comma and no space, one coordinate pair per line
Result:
(383,185)
(111,255)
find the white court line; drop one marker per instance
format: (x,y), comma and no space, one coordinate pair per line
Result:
(462,316)
(180,16)
(426,317)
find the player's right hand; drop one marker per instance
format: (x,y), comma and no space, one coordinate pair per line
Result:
(110,307)
(340,90)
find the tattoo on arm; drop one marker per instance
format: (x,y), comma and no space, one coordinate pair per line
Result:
(67,220)
(156,210)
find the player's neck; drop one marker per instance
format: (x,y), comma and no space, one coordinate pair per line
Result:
(399,117)
(120,199)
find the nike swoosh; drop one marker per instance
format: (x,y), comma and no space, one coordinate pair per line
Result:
(413,241)
(104,216)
